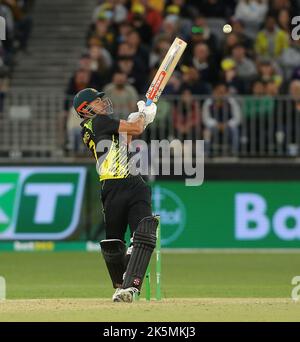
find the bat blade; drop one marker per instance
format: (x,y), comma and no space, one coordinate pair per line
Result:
(165,70)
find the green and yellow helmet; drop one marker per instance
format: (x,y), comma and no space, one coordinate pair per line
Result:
(85,97)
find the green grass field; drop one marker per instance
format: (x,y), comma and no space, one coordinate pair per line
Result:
(68,286)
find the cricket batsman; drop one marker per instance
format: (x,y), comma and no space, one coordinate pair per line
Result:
(126,198)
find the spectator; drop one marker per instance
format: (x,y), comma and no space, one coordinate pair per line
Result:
(234,83)
(22,21)
(272,89)
(102,31)
(123,29)
(114,8)
(209,38)
(158,52)
(285,21)
(174,85)
(182,8)
(231,41)
(86,63)
(258,110)
(271,41)
(93,40)
(139,23)
(122,94)
(153,4)
(170,28)
(73,144)
(252,13)
(290,58)
(103,9)
(221,119)
(125,50)
(268,71)
(18,24)
(7,45)
(184,12)
(101,64)
(245,67)
(133,37)
(296,74)
(201,33)
(276,123)
(153,10)
(161,127)
(238,27)
(193,82)
(292,120)
(80,79)
(138,50)
(277,5)
(186,116)
(255,105)
(213,8)
(204,63)
(135,77)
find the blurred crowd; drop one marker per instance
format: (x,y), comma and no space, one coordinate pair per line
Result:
(18,24)
(127,40)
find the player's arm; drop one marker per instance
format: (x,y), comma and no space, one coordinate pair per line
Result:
(138,121)
(133,128)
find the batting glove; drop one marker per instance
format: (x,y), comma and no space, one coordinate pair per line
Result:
(149,111)
(133,116)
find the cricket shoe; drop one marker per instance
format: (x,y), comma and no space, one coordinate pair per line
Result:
(126,295)
(116,297)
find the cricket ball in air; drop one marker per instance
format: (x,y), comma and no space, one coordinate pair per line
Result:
(227,28)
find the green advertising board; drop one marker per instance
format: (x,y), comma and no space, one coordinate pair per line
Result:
(63,203)
(40,203)
(229,214)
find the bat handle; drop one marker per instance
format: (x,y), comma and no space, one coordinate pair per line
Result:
(148,102)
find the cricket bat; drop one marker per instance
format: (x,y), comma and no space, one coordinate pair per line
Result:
(165,70)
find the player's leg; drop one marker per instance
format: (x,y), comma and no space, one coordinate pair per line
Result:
(139,206)
(143,226)
(138,209)
(114,252)
(113,247)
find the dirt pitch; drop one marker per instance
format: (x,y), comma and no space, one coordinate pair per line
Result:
(180,309)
